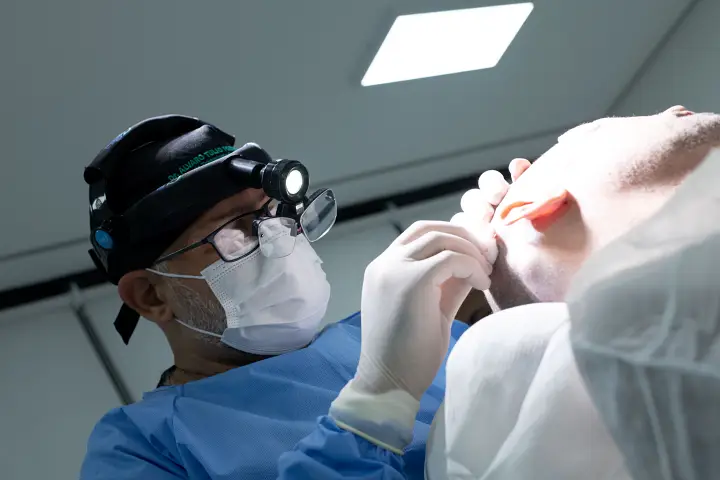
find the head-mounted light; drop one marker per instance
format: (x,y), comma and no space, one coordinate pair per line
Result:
(134,237)
(283,180)
(121,240)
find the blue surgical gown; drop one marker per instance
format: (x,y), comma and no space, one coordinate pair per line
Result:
(236,425)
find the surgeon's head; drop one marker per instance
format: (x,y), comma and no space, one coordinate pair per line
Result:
(596,183)
(200,252)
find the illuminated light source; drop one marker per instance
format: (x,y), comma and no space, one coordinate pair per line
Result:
(294,182)
(440,43)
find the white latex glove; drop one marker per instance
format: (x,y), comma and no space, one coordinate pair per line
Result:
(411,293)
(478,205)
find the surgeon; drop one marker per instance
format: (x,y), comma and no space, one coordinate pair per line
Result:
(212,243)
(516,403)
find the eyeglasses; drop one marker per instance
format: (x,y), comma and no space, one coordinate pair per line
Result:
(274,235)
(242,235)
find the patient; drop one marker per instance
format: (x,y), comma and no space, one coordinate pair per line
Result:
(599,180)
(521,410)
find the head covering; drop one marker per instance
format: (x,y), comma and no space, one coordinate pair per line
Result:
(645,314)
(155,154)
(154,164)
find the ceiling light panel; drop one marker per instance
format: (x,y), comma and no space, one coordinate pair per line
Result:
(440,43)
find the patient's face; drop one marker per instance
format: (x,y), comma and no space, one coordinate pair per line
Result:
(618,172)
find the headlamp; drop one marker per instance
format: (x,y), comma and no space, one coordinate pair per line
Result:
(294,181)
(284,180)
(132,239)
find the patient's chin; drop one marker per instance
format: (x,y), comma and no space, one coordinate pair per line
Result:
(507,288)
(508,296)
(525,274)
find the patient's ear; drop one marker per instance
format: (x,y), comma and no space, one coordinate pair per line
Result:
(542,213)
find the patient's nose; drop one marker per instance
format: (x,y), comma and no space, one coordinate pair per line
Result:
(678,111)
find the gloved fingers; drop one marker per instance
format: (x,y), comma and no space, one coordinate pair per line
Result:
(493,187)
(450,264)
(474,202)
(517,167)
(418,229)
(481,229)
(454,292)
(435,242)
(460,218)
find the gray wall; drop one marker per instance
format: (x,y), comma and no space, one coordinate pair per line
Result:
(53,391)
(686,71)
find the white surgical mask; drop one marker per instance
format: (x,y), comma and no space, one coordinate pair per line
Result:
(272,305)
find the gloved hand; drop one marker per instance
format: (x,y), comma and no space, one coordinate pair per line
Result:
(411,294)
(478,208)
(478,205)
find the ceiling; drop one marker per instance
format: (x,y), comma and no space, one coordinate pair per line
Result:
(286,75)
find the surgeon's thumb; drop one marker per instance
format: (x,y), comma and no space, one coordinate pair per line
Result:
(453,293)
(450,264)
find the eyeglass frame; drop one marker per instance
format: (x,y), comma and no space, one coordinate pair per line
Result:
(209,239)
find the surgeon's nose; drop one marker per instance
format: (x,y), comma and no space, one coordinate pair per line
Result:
(678,111)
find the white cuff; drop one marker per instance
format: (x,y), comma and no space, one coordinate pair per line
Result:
(385,419)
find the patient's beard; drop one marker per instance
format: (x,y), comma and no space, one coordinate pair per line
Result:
(507,290)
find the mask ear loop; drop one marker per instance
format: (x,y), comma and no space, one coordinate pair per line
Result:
(174,275)
(198,330)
